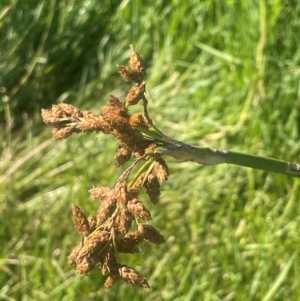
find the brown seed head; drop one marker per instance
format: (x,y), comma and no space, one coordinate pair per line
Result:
(138,120)
(135,94)
(115,114)
(85,265)
(138,209)
(105,210)
(135,72)
(80,221)
(129,244)
(136,63)
(68,110)
(123,221)
(127,73)
(94,244)
(121,192)
(150,234)
(122,156)
(152,188)
(100,192)
(132,276)
(92,222)
(161,170)
(91,122)
(67,119)
(59,112)
(63,133)
(107,259)
(111,280)
(50,118)
(135,236)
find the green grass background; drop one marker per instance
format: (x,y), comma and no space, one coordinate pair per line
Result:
(220,73)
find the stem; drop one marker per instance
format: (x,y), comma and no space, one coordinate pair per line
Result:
(209,156)
(144,167)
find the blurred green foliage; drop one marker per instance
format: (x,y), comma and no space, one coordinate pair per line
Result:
(222,73)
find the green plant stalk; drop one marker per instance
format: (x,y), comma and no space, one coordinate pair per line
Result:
(209,156)
(144,168)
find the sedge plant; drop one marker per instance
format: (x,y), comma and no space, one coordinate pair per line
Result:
(121,222)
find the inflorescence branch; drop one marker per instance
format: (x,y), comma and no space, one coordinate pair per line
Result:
(120,224)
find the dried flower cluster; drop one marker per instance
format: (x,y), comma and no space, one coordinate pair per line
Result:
(120,224)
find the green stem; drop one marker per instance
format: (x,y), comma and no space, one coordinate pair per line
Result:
(144,167)
(209,156)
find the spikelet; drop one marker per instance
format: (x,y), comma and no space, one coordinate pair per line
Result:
(123,221)
(85,265)
(136,63)
(94,244)
(99,192)
(132,276)
(150,234)
(160,170)
(138,120)
(105,210)
(135,72)
(107,259)
(122,193)
(92,222)
(80,221)
(127,73)
(122,156)
(62,133)
(67,119)
(129,243)
(135,94)
(152,188)
(138,209)
(111,280)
